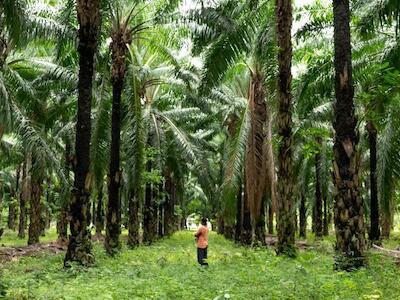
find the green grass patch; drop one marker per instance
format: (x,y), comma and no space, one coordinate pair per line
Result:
(168,270)
(10,238)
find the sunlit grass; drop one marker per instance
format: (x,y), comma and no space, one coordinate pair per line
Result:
(168,270)
(10,238)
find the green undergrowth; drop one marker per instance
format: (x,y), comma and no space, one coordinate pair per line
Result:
(168,270)
(10,238)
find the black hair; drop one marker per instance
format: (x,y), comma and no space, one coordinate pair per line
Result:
(204,221)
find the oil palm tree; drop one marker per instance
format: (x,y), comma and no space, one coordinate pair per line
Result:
(121,38)
(244,41)
(154,122)
(79,247)
(349,210)
(285,221)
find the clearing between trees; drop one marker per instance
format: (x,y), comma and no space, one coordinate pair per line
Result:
(168,270)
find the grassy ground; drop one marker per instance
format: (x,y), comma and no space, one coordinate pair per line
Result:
(9,238)
(168,270)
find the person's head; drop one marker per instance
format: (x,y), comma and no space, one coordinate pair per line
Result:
(204,221)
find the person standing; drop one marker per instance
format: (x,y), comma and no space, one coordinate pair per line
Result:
(202,242)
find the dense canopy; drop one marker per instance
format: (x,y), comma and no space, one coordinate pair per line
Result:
(123,121)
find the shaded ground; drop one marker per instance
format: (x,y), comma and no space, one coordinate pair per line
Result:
(272,240)
(168,270)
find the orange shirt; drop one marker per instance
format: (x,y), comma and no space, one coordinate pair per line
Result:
(202,237)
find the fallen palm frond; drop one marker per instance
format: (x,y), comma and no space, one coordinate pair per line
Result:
(389,252)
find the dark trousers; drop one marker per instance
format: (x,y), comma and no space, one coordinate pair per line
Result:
(201,256)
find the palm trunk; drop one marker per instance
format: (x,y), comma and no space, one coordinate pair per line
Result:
(313,222)
(238,225)
(80,246)
(271,173)
(374,234)
(169,206)
(260,224)
(12,210)
(303,217)
(326,217)
(13,206)
(318,194)
(349,211)
(220,224)
(12,213)
(35,209)
(99,211)
(23,199)
(45,217)
(133,225)
(155,222)
(62,223)
(94,212)
(160,221)
(285,214)
(247,230)
(148,213)
(255,158)
(113,224)
(50,203)
(386,226)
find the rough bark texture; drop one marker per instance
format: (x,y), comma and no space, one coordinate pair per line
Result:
(318,194)
(303,217)
(113,225)
(374,234)
(349,211)
(285,213)
(80,246)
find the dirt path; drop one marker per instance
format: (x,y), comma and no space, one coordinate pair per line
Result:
(14,253)
(55,247)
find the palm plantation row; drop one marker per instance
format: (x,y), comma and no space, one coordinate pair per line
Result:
(160,110)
